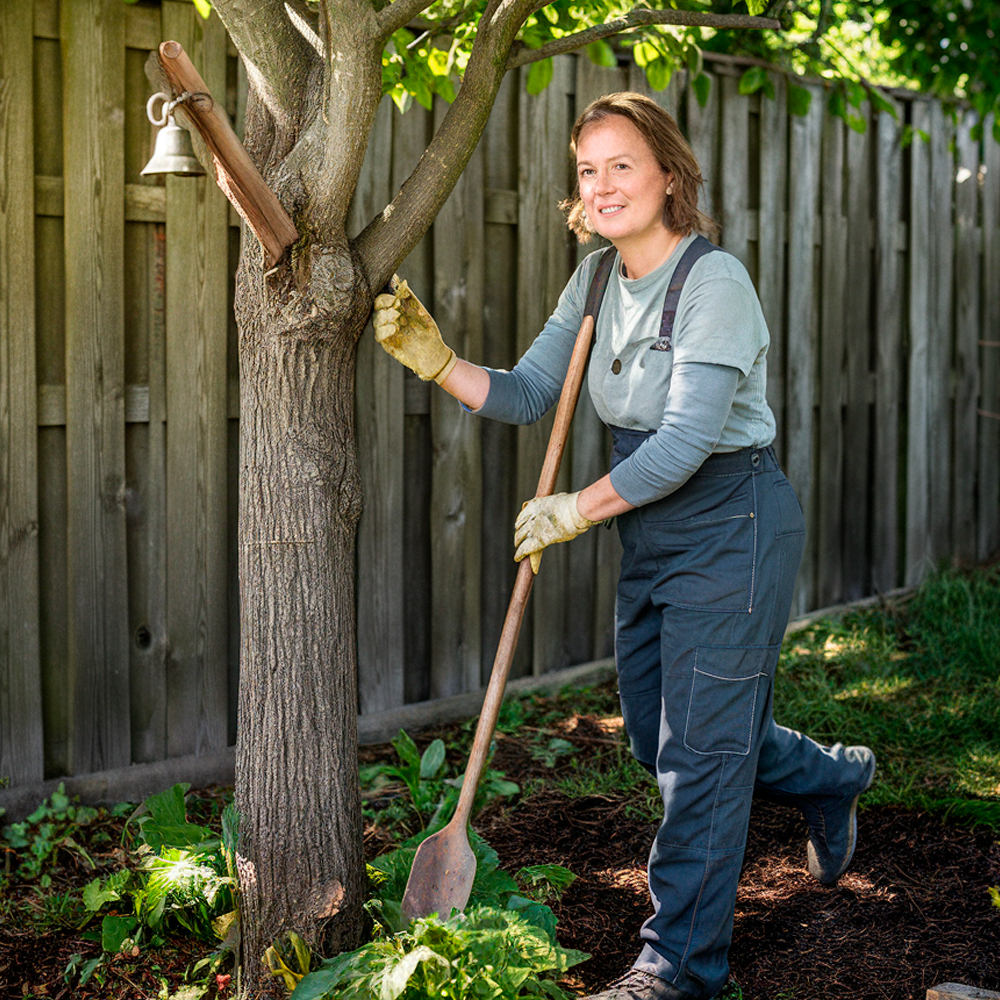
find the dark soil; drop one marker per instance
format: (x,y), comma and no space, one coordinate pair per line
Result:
(913,911)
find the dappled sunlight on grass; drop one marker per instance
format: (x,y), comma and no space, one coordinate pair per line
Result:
(877,689)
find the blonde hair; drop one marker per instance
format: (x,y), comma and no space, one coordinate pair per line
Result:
(672,152)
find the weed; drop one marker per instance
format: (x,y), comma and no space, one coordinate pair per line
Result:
(503,946)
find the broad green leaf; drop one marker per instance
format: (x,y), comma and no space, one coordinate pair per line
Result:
(658,73)
(644,53)
(695,60)
(882,104)
(837,105)
(115,931)
(401,97)
(204,7)
(432,760)
(317,985)
(855,93)
(95,895)
(601,53)
(404,745)
(752,80)
(702,86)
(539,76)
(393,981)
(857,123)
(799,100)
(757,7)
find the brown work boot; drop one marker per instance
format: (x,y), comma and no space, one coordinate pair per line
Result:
(638,985)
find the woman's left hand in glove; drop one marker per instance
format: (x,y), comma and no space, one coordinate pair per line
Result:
(544,521)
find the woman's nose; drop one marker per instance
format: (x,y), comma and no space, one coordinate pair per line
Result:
(603,182)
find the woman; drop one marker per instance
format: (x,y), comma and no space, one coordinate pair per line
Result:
(711,529)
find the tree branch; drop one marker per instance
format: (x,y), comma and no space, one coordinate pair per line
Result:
(636,19)
(277,53)
(399,14)
(391,235)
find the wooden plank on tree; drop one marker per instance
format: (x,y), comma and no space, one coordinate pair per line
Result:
(771,235)
(857,399)
(888,354)
(21,740)
(803,190)
(921,328)
(197,433)
(456,487)
(735,151)
(543,269)
(93,51)
(989,357)
(380,435)
(941,342)
(835,291)
(967,335)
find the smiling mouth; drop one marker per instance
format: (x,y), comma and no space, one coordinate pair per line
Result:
(611,210)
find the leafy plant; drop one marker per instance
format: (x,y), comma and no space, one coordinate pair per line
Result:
(181,879)
(427,797)
(503,946)
(555,748)
(54,826)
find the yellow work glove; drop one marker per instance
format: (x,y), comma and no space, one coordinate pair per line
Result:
(544,521)
(406,330)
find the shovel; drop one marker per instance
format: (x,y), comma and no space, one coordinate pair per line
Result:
(444,866)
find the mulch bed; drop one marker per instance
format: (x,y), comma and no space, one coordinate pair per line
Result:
(912,912)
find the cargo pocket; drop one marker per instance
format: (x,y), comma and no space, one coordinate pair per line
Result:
(728,684)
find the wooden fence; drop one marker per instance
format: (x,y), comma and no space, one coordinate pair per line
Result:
(877,266)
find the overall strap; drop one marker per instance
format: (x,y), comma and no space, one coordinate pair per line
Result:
(599,284)
(692,255)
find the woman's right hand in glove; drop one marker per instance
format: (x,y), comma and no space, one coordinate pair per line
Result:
(406,330)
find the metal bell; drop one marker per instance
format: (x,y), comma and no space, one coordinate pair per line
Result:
(173,153)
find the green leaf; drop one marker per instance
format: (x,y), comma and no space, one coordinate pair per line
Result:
(752,80)
(317,985)
(432,760)
(695,61)
(601,53)
(204,7)
(837,105)
(659,72)
(95,895)
(857,123)
(799,100)
(404,745)
(393,980)
(882,104)
(115,931)
(855,93)
(996,130)
(539,76)
(757,7)
(644,53)
(402,98)
(702,86)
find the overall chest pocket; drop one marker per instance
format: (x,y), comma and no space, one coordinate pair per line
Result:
(705,544)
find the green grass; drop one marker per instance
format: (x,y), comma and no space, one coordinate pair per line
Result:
(919,683)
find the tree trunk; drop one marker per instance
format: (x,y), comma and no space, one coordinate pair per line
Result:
(300,854)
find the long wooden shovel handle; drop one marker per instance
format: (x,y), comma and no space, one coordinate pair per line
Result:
(525,578)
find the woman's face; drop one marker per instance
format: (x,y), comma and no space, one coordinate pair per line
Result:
(622,185)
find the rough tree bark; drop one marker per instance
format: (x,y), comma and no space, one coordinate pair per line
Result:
(315,84)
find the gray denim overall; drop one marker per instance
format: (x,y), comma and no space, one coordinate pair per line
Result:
(703,599)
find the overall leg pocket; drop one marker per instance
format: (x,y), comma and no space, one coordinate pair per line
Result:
(728,690)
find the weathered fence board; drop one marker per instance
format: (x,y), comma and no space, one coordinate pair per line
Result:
(456,483)
(93,49)
(380,416)
(883,372)
(940,342)
(857,399)
(989,355)
(888,332)
(196,336)
(921,328)
(803,197)
(21,741)
(966,354)
(831,479)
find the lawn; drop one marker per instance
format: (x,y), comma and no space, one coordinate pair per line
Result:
(120,903)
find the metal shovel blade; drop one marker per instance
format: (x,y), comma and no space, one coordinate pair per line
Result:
(441,878)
